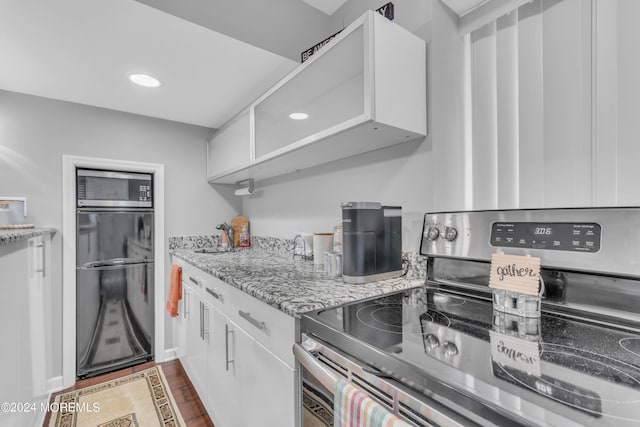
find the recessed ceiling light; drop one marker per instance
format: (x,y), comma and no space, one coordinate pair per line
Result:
(298,116)
(144,80)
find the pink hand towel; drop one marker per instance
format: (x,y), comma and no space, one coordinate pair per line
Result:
(175,290)
(353,408)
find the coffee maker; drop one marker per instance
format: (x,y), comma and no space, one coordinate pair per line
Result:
(372,241)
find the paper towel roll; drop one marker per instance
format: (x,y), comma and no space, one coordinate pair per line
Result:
(243,191)
(321,242)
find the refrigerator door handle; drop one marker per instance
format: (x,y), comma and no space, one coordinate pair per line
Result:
(112,263)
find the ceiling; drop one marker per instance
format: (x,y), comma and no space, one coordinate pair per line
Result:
(462,7)
(326,6)
(83,51)
(284,27)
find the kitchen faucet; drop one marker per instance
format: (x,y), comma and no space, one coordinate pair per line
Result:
(225,228)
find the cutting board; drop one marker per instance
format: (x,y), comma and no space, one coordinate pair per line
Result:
(236,224)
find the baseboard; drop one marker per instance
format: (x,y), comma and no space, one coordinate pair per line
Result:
(170,354)
(43,414)
(54,384)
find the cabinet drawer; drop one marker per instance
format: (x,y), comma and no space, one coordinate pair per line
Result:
(190,274)
(213,290)
(267,325)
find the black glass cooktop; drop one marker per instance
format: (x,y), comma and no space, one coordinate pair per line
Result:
(551,370)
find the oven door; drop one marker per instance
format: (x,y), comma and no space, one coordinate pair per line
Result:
(321,365)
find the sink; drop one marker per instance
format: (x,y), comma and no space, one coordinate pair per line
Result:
(212,251)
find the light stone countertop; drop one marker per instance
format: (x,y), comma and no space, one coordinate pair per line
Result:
(10,236)
(291,286)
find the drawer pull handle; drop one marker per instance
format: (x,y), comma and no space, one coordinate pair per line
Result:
(185,303)
(196,281)
(227,331)
(205,321)
(214,294)
(248,318)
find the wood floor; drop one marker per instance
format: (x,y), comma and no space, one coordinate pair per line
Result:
(185,395)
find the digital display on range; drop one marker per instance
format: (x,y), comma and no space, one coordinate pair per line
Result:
(560,236)
(542,231)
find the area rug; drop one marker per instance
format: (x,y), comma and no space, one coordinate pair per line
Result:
(137,400)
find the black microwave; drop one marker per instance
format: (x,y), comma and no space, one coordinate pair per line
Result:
(117,189)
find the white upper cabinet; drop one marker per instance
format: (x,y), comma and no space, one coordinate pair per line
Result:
(363,91)
(229,149)
(330,91)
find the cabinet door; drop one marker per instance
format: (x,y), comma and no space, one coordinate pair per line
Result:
(230,147)
(224,395)
(180,330)
(266,382)
(195,360)
(13,264)
(330,90)
(33,329)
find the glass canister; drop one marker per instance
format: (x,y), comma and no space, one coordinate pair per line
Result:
(333,264)
(337,238)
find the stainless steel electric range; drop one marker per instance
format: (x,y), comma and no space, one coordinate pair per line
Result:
(440,354)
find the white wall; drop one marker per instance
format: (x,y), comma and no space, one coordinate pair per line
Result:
(406,174)
(35,133)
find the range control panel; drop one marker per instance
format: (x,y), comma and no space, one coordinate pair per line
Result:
(561,236)
(603,240)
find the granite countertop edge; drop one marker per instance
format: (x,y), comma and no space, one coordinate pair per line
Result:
(293,296)
(10,236)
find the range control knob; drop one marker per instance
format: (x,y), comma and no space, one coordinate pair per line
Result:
(432,233)
(450,234)
(450,349)
(431,342)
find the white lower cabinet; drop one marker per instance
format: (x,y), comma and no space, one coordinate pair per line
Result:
(231,366)
(265,382)
(25,313)
(224,400)
(180,325)
(195,357)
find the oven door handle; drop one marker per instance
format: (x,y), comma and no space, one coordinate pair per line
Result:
(437,415)
(306,359)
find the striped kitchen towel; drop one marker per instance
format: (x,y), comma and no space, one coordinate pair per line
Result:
(353,408)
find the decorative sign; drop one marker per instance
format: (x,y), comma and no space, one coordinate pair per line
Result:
(307,53)
(515,273)
(387,11)
(517,353)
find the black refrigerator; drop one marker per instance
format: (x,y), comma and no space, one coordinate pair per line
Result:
(114,270)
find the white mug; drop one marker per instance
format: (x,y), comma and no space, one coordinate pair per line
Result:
(321,242)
